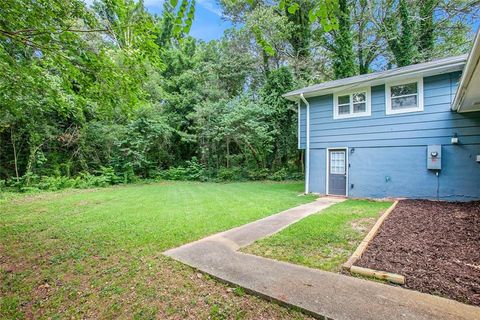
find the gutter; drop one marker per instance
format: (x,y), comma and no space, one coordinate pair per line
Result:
(307,161)
(378,78)
(299,132)
(473,61)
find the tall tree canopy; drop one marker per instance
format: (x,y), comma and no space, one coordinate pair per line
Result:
(112,91)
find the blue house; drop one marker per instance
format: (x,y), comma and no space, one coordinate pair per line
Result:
(409,132)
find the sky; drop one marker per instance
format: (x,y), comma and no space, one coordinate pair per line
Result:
(208,23)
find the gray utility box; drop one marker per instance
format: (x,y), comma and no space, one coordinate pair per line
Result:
(434,157)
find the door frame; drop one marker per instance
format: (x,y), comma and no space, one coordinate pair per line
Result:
(328,169)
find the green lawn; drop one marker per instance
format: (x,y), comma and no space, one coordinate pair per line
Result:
(324,240)
(97,253)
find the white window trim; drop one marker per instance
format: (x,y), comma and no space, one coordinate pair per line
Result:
(388,98)
(368,102)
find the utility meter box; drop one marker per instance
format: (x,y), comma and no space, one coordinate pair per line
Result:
(434,157)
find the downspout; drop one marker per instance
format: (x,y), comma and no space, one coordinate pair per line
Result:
(299,114)
(307,161)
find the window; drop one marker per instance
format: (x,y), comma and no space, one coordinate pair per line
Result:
(337,162)
(352,104)
(403,97)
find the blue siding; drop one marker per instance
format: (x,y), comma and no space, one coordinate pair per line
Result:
(389,159)
(401,172)
(303,126)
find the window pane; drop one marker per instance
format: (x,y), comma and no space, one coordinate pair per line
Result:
(337,162)
(343,99)
(344,109)
(409,88)
(359,107)
(359,97)
(404,102)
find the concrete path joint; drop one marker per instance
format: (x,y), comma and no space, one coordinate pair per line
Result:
(323,294)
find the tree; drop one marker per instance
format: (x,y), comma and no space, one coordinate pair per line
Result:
(368,43)
(400,35)
(342,46)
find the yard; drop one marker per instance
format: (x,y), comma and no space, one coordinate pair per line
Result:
(324,240)
(97,253)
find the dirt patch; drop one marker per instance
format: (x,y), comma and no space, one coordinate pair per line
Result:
(435,245)
(363,225)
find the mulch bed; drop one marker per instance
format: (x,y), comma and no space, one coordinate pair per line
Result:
(435,245)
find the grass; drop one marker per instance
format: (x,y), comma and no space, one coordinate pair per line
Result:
(324,240)
(97,253)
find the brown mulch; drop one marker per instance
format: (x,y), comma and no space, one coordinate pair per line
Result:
(435,245)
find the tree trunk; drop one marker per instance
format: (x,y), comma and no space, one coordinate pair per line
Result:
(14,154)
(228,152)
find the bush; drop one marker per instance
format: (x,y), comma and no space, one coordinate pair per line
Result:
(31,182)
(279,175)
(285,174)
(192,171)
(110,177)
(295,176)
(261,174)
(230,174)
(53,183)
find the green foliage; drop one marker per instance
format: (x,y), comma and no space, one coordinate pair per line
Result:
(191,171)
(142,145)
(419,30)
(109,93)
(401,35)
(31,182)
(231,174)
(343,57)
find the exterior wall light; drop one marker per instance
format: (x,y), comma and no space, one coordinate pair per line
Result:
(454,139)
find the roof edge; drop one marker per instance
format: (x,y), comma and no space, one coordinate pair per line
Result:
(473,61)
(434,67)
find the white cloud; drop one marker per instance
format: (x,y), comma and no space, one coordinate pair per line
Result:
(210,6)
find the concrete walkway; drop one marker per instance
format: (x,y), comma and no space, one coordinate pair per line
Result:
(323,294)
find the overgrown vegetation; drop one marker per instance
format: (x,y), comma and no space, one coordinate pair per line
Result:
(325,240)
(109,93)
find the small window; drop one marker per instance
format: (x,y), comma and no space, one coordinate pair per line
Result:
(404,97)
(354,104)
(337,162)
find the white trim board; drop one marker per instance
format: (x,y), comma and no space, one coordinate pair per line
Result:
(368,103)
(347,167)
(388,100)
(420,70)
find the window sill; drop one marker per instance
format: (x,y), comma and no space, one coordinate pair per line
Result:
(411,110)
(355,115)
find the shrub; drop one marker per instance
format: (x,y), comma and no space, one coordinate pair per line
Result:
(192,171)
(261,174)
(31,182)
(110,177)
(230,174)
(279,175)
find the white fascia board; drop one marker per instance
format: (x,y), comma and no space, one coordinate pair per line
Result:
(373,79)
(471,67)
